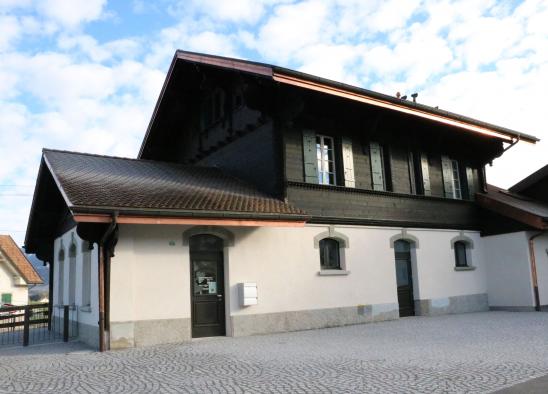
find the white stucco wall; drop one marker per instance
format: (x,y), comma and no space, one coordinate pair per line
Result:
(150,273)
(89,315)
(541,257)
(509,270)
(150,278)
(19,294)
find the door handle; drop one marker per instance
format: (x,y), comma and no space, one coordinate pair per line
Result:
(219,296)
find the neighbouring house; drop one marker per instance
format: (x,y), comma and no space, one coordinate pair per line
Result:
(16,273)
(266,200)
(516,236)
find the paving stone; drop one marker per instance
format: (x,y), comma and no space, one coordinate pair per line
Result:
(468,353)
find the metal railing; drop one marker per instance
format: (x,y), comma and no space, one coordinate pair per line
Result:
(31,324)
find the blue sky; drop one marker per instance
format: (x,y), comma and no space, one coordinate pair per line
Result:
(84,74)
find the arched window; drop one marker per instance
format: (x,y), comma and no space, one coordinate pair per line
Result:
(61,277)
(206,243)
(330,258)
(86,274)
(461,259)
(72,274)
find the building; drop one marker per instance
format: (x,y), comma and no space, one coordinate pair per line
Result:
(516,235)
(16,273)
(267,200)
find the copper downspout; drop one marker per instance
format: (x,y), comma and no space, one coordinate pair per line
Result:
(534,270)
(101,279)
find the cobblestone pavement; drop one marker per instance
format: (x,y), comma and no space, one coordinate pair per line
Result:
(476,353)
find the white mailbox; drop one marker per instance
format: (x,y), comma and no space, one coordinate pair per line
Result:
(248,293)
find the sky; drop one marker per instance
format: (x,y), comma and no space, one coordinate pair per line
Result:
(84,75)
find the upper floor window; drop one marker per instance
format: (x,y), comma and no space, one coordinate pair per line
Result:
(325,154)
(330,258)
(461,259)
(457,191)
(452,183)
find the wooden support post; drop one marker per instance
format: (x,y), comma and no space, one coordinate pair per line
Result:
(101,280)
(66,323)
(50,305)
(26,326)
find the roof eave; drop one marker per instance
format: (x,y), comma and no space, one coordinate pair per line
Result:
(158,103)
(311,82)
(292,77)
(512,212)
(90,214)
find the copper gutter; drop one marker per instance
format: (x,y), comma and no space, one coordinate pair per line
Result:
(283,78)
(130,219)
(534,277)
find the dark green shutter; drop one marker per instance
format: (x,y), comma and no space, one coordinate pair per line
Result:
(471,183)
(425,171)
(447,169)
(376,166)
(310,157)
(348,162)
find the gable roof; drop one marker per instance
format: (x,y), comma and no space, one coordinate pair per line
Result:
(515,206)
(19,261)
(532,179)
(93,184)
(325,86)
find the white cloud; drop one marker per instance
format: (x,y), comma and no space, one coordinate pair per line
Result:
(248,11)
(337,62)
(9,31)
(292,28)
(71,13)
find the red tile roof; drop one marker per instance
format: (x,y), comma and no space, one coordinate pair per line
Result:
(13,253)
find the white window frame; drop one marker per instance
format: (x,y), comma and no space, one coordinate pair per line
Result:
(323,163)
(457,184)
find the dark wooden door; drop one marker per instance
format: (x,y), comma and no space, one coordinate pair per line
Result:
(208,296)
(404,278)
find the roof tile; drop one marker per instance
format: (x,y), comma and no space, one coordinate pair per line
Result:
(20,262)
(95,181)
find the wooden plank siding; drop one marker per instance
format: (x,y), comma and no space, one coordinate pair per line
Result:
(345,205)
(252,157)
(436,175)
(362,166)
(399,168)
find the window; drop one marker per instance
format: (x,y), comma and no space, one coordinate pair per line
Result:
(86,275)
(72,275)
(325,155)
(457,191)
(329,254)
(6,298)
(61,278)
(460,254)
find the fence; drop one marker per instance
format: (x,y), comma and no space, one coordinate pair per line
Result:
(31,324)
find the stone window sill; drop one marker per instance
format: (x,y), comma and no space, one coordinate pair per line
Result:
(85,308)
(333,272)
(470,268)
